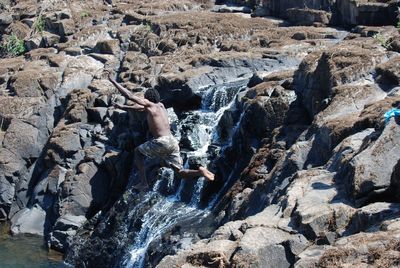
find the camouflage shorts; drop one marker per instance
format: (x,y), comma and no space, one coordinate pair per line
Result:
(165,147)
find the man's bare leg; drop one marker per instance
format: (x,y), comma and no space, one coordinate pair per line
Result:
(139,161)
(192,173)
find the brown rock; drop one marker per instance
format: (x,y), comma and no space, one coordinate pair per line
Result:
(78,102)
(307,16)
(25,84)
(22,108)
(108,47)
(20,29)
(389,72)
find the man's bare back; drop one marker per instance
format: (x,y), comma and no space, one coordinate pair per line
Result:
(157,119)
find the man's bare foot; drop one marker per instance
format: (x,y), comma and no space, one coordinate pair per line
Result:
(140,187)
(206,173)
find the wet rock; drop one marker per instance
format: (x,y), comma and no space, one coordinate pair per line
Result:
(64,228)
(282,164)
(231,9)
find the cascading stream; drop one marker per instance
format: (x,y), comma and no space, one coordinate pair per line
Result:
(170,210)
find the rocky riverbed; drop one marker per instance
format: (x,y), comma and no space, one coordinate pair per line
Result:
(282,100)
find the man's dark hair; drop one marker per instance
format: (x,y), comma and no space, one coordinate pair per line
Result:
(152,95)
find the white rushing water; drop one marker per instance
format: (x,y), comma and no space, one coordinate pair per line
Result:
(168,211)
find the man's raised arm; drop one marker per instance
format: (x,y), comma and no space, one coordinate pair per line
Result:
(135,107)
(141,101)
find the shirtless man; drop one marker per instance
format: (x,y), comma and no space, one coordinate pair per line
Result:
(163,144)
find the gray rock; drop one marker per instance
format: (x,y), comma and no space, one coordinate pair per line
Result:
(315,89)
(34,42)
(66,27)
(29,221)
(97,114)
(261,247)
(371,170)
(216,252)
(5,18)
(64,229)
(23,139)
(299,16)
(11,164)
(50,39)
(7,192)
(80,72)
(310,256)
(369,218)
(64,143)
(310,197)
(347,149)
(108,47)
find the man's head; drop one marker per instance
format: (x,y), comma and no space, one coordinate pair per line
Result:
(152,95)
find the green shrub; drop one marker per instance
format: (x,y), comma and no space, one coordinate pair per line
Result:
(85,14)
(39,24)
(148,27)
(13,45)
(383,40)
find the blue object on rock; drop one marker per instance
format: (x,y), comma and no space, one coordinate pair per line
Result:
(390,114)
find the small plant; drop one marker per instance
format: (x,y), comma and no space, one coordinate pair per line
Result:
(39,25)
(14,46)
(398,25)
(85,14)
(384,41)
(148,27)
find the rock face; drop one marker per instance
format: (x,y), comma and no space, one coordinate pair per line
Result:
(290,119)
(336,12)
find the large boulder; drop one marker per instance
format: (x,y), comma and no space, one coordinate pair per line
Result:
(29,221)
(371,170)
(320,72)
(80,72)
(23,139)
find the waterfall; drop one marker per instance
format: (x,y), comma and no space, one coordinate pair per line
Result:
(170,210)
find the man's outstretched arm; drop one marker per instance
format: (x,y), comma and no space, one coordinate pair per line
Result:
(141,101)
(135,107)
